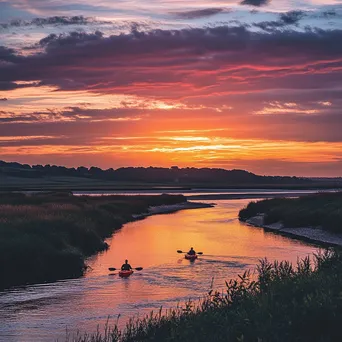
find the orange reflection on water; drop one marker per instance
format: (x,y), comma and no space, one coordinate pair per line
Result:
(229,248)
(167,279)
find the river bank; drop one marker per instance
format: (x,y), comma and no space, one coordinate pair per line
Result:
(315,235)
(172,208)
(46,237)
(316,218)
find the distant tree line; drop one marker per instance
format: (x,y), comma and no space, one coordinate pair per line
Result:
(149,174)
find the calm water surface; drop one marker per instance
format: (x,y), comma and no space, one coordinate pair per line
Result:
(44,312)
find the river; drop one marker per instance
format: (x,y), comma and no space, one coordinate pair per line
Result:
(44,312)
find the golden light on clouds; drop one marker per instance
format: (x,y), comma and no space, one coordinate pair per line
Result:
(187,151)
(287,108)
(171,83)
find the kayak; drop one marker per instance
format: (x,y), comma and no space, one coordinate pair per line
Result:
(125,273)
(191,257)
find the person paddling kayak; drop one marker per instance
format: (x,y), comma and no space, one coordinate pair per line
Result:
(191,252)
(126,266)
(191,255)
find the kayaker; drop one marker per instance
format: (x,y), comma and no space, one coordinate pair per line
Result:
(191,252)
(126,266)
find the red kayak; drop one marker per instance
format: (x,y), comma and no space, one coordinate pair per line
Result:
(125,273)
(191,257)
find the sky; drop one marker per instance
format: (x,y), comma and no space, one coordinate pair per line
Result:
(247,84)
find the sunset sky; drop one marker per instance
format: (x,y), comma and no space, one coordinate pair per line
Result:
(254,85)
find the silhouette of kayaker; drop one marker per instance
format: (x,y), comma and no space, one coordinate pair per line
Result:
(126,266)
(191,252)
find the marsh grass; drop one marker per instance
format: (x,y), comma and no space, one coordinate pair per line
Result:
(286,302)
(45,237)
(319,210)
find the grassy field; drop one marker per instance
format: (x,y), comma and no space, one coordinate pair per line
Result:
(55,183)
(323,210)
(44,237)
(285,303)
(8,183)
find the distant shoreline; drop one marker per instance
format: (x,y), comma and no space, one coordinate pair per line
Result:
(246,196)
(134,187)
(172,208)
(204,194)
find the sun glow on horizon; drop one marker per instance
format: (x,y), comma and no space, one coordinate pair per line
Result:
(232,85)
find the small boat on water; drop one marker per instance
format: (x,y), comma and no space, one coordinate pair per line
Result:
(191,257)
(125,273)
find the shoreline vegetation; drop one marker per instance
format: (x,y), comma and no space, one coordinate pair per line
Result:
(315,218)
(285,303)
(48,236)
(23,177)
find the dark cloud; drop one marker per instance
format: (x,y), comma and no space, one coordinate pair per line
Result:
(8,85)
(83,113)
(4,99)
(14,118)
(292,17)
(169,63)
(54,40)
(58,20)
(256,3)
(52,21)
(329,14)
(269,25)
(285,19)
(254,11)
(207,12)
(68,114)
(334,13)
(7,55)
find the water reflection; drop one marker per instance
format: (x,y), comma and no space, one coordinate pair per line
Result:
(42,312)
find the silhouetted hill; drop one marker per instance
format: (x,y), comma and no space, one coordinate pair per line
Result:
(173,175)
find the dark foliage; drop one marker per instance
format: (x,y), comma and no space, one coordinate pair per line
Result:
(150,174)
(45,237)
(322,209)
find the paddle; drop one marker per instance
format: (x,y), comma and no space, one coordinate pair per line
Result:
(115,269)
(199,253)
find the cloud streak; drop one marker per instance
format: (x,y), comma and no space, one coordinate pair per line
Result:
(285,19)
(255,3)
(141,61)
(52,21)
(201,13)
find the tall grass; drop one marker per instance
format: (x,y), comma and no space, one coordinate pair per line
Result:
(285,303)
(45,237)
(322,209)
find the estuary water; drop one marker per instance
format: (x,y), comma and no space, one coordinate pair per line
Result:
(47,312)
